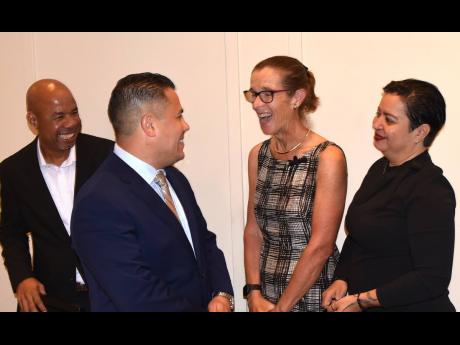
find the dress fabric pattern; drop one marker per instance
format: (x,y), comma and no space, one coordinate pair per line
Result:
(283,205)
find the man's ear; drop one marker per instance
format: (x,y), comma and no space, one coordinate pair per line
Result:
(148,124)
(32,122)
(32,119)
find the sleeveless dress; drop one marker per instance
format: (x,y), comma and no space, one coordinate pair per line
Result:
(283,205)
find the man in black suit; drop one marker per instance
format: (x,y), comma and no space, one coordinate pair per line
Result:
(38,184)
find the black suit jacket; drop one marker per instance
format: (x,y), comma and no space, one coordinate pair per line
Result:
(27,206)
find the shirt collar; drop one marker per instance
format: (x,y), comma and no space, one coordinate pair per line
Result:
(416,163)
(68,162)
(145,170)
(420,161)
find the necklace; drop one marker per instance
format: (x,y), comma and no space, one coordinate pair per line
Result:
(295,147)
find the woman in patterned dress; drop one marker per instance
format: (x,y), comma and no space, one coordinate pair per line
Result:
(297,188)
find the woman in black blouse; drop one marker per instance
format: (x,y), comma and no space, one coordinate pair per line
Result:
(400,225)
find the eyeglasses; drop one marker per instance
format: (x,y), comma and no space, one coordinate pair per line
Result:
(265,96)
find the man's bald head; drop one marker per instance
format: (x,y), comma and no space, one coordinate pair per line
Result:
(45,91)
(53,114)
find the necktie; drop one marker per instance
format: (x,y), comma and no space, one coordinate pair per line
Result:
(160,179)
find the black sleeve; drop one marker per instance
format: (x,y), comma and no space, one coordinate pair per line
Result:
(13,232)
(343,267)
(430,221)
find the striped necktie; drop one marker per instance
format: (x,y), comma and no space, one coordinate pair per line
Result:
(160,179)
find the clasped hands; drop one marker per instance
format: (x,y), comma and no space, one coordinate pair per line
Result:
(336,300)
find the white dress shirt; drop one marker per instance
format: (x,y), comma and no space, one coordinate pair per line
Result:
(148,173)
(61,184)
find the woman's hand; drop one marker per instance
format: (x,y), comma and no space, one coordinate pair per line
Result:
(336,291)
(346,304)
(257,303)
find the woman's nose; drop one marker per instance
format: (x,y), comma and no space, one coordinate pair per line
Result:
(376,122)
(257,103)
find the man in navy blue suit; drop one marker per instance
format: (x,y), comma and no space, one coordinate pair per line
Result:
(136,225)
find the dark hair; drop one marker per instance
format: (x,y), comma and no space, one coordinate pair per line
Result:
(424,104)
(130,93)
(296,76)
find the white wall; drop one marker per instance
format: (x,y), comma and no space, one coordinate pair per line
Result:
(210,71)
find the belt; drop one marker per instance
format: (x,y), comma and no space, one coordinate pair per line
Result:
(79,287)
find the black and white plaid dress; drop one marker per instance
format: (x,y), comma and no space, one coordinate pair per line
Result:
(283,206)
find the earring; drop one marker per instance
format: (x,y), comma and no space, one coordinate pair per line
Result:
(295,106)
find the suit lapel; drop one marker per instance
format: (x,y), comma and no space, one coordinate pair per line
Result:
(144,192)
(188,203)
(83,171)
(83,166)
(42,199)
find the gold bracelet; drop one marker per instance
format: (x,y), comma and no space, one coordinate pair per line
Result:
(230,298)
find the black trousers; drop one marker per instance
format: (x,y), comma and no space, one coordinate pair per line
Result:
(79,302)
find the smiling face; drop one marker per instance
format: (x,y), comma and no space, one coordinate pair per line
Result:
(274,115)
(392,133)
(171,127)
(53,112)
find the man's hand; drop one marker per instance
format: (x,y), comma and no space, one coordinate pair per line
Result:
(219,304)
(29,293)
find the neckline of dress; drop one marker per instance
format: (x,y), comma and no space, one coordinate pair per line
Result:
(290,160)
(407,164)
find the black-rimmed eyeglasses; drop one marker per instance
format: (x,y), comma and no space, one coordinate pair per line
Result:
(265,96)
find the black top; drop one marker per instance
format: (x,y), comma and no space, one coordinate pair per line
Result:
(401,236)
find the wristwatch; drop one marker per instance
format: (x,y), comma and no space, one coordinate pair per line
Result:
(250,287)
(229,297)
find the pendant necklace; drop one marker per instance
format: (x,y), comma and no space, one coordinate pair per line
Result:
(295,147)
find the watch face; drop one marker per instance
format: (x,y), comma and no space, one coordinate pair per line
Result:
(249,287)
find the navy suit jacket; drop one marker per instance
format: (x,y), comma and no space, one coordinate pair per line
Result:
(134,251)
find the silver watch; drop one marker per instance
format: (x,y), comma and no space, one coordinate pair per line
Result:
(229,297)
